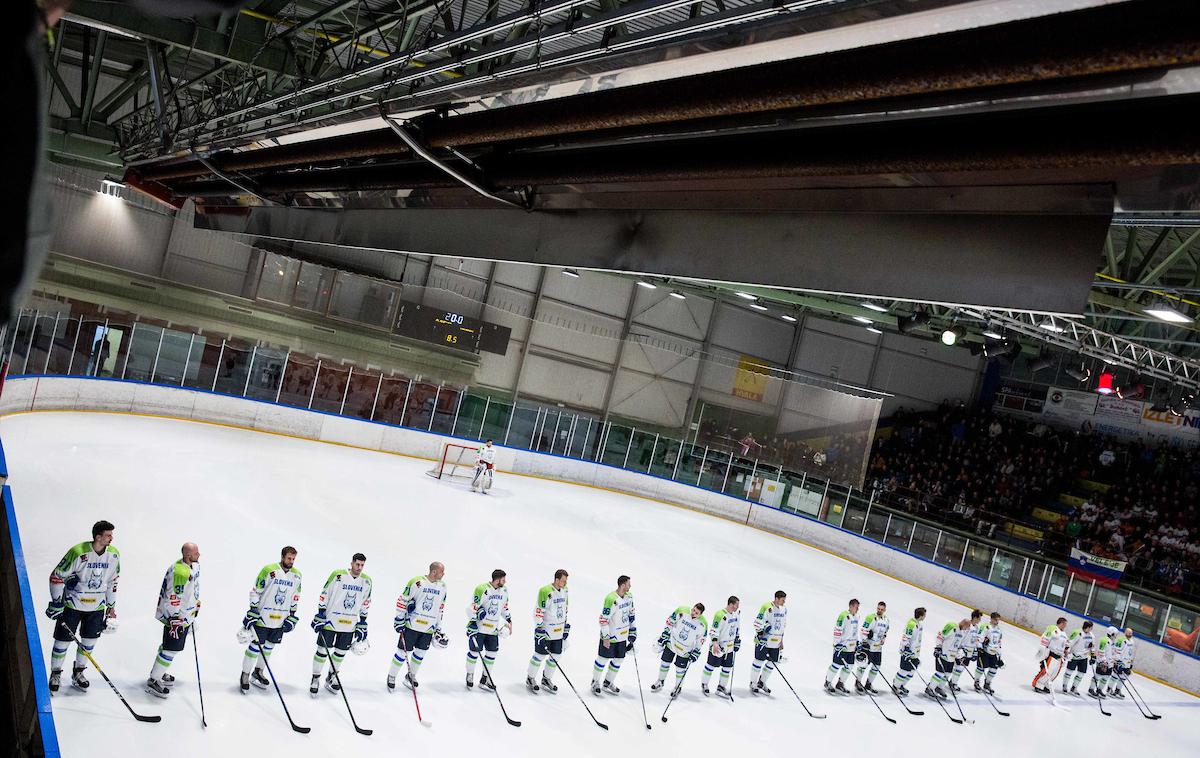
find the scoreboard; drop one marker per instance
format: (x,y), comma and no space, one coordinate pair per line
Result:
(449,329)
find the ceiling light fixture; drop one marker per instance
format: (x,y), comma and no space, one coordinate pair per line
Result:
(873,306)
(952,334)
(1051,325)
(873,330)
(908,324)
(1081,374)
(758,307)
(1039,363)
(788,318)
(746,296)
(1164,312)
(679,296)
(647,284)
(571,273)
(862,319)
(991,332)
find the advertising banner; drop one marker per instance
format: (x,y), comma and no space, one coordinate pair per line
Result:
(1071,406)
(750,380)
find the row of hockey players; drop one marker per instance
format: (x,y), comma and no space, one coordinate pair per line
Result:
(1110,657)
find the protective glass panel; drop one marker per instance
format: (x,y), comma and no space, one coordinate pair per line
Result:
(332,381)
(1109,606)
(899,532)
(616,445)
(362,299)
(521,427)
(855,514)
(1008,570)
(1182,630)
(278,280)
(950,552)
(360,399)
(445,407)
(266,369)
(143,347)
(389,408)
(298,376)
(470,417)
(232,372)
(202,369)
(418,412)
(495,421)
(312,288)
(876,524)
(64,347)
(979,560)
(665,457)
(1147,616)
(1077,598)
(173,357)
(925,540)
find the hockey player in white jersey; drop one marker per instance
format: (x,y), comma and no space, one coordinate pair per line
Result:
(341,622)
(725,641)
(910,651)
(845,644)
(419,623)
(178,605)
(947,657)
(1050,656)
(970,649)
(83,599)
(769,625)
(870,649)
(485,465)
(1122,663)
(488,619)
(618,633)
(1102,675)
(991,658)
(680,644)
(273,601)
(550,633)
(1081,650)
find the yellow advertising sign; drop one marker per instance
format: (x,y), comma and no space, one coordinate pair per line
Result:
(750,381)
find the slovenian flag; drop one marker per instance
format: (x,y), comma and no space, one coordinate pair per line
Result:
(1106,572)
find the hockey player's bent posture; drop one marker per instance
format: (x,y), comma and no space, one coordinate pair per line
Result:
(550,632)
(487,620)
(991,658)
(83,598)
(1081,650)
(485,464)
(970,648)
(419,623)
(910,651)
(681,642)
(178,604)
(845,643)
(1050,656)
(870,649)
(726,641)
(769,626)
(1122,664)
(947,657)
(618,633)
(1102,674)
(272,614)
(341,621)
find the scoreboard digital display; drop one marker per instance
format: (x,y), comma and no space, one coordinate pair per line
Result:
(449,329)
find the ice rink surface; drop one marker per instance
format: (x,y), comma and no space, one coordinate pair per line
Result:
(242,495)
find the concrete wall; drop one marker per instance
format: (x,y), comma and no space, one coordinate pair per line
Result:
(66,393)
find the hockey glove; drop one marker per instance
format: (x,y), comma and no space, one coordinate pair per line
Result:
(737,644)
(319,621)
(566,632)
(251,618)
(176,626)
(290,622)
(692,656)
(360,631)
(632,637)
(663,639)
(861,656)
(55,609)
(361,647)
(440,639)
(245,636)
(914,661)
(398,624)
(540,635)
(110,625)
(999,662)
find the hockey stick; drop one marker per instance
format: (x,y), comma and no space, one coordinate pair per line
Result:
(859,685)
(117,692)
(1095,692)
(416,702)
(897,694)
(938,700)
(793,689)
(496,691)
(954,695)
(1147,713)
(572,686)
(675,693)
(731,663)
(286,712)
(199,686)
(989,697)
(641,693)
(342,689)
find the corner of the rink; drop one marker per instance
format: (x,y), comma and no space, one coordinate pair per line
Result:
(45,714)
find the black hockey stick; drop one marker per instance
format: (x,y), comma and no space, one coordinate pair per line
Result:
(675,693)
(416,702)
(989,697)
(199,686)
(897,694)
(286,712)
(641,693)
(731,662)
(117,692)
(954,695)
(1147,713)
(496,691)
(878,707)
(938,700)
(793,689)
(342,688)
(572,686)
(1096,692)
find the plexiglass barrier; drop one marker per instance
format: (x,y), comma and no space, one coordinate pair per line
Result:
(79,345)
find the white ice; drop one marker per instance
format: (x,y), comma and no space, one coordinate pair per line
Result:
(242,495)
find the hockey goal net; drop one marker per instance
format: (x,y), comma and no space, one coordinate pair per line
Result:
(456,461)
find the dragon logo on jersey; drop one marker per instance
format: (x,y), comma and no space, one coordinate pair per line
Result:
(350,600)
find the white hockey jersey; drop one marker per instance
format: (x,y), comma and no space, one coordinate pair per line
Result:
(486,455)
(685,633)
(771,620)
(420,607)
(1081,644)
(346,599)
(845,631)
(874,631)
(550,616)
(1054,640)
(725,630)
(617,618)
(489,609)
(910,641)
(179,595)
(86,580)
(993,639)
(275,594)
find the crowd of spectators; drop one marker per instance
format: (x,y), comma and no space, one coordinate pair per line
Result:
(983,469)
(838,457)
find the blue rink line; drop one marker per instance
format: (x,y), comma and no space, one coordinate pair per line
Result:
(41,688)
(943,567)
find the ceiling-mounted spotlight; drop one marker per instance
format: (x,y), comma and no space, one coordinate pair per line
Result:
(1040,363)
(646,283)
(758,307)
(746,296)
(862,319)
(1164,312)
(1104,383)
(679,295)
(873,330)
(571,273)
(788,318)
(873,306)
(1050,325)
(909,324)
(111,187)
(1081,374)
(952,334)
